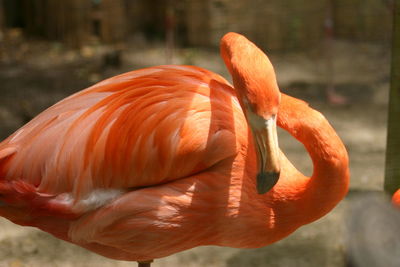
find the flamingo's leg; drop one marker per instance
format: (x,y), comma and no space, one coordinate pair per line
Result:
(145,263)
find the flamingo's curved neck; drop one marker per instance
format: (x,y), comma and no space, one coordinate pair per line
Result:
(330,179)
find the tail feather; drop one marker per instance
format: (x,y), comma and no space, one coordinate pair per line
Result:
(7,152)
(23,198)
(21,201)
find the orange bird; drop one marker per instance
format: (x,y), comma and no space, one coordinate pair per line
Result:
(396,198)
(163,159)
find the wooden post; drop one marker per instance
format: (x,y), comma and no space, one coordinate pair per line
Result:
(392,172)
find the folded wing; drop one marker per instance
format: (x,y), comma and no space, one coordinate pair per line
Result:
(138,129)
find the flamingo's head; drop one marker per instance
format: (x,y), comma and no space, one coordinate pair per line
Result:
(258,93)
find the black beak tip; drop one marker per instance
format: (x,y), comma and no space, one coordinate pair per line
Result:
(266,180)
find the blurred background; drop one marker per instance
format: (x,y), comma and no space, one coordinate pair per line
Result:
(334,54)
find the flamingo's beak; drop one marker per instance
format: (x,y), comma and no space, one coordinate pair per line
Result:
(266,142)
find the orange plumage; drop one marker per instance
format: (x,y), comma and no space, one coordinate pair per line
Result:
(163,159)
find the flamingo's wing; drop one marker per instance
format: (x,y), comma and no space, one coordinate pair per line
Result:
(138,129)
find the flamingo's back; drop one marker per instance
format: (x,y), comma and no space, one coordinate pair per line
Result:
(138,129)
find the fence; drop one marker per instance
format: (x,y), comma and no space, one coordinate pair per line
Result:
(273,24)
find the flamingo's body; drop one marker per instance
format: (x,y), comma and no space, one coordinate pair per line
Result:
(160,160)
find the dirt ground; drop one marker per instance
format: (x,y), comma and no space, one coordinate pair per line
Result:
(363,230)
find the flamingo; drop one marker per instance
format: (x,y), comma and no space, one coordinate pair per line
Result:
(163,159)
(396,198)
